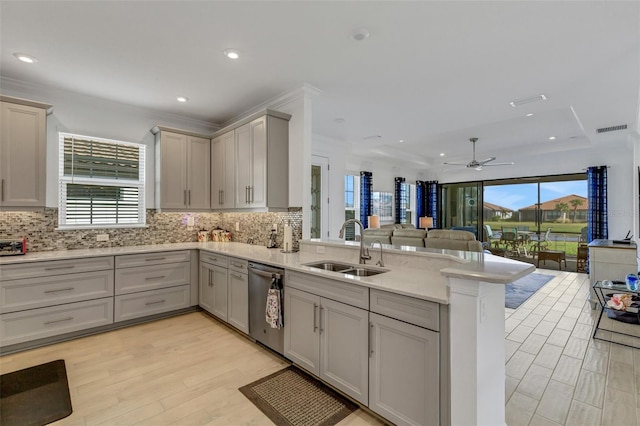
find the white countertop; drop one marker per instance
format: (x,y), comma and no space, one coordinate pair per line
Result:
(414,282)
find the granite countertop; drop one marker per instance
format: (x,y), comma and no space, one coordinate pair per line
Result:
(611,244)
(399,279)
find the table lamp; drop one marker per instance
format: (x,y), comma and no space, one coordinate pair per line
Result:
(374,221)
(426,222)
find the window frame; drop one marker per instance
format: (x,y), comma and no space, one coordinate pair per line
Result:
(64,180)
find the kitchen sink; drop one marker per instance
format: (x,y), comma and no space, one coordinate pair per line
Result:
(344,268)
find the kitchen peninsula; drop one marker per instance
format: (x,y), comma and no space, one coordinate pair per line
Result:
(463,290)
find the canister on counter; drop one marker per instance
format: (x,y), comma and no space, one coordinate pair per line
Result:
(203,236)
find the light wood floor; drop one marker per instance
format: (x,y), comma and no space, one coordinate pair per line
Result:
(183,370)
(186,370)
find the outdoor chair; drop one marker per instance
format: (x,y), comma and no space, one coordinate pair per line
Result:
(511,240)
(493,238)
(540,242)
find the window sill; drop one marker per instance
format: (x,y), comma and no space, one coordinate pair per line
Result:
(91,227)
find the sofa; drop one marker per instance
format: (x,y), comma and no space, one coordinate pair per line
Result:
(452,240)
(396,234)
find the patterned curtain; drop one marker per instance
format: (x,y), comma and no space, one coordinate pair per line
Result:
(366,201)
(433,201)
(597,220)
(421,201)
(401,212)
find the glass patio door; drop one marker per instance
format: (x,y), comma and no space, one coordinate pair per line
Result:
(462,207)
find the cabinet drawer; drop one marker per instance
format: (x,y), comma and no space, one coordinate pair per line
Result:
(30,293)
(35,324)
(214,258)
(151,302)
(613,255)
(408,309)
(160,258)
(54,267)
(239,265)
(350,294)
(142,278)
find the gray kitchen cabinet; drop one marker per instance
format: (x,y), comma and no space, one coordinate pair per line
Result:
(23,149)
(214,290)
(329,339)
(182,170)
(223,171)
(238,295)
(257,178)
(404,383)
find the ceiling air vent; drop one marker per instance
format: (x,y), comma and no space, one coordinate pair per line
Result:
(611,129)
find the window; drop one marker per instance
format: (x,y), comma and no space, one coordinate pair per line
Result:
(351,204)
(101,183)
(383,205)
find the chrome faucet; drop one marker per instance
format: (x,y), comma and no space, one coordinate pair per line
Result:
(364,252)
(379,262)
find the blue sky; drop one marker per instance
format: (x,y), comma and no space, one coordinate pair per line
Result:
(517,196)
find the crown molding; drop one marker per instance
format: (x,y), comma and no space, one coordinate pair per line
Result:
(35,90)
(306,90)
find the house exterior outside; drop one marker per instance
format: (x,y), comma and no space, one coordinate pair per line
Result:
(577,209)
(489,211)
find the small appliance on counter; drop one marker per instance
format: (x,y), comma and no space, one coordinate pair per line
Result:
(13,247)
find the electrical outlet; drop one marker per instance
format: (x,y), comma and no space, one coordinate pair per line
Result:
(102,237)
(237,226)
(483,309)
(320,249)
(191,221)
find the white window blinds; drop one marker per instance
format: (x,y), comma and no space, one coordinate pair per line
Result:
(101,182)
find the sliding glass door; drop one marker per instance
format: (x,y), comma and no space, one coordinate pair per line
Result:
(461,206)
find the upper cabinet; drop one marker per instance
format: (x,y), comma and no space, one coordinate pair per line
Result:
(23,149)
(183,172)
(251,163)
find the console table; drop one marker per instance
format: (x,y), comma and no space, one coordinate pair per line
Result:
(610,261)
(603,289)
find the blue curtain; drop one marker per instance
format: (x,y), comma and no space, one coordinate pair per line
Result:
(400,212)
(421,201)
(433,201)
(366,201)
(597,220)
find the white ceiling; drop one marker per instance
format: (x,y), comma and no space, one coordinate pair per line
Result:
(431,73)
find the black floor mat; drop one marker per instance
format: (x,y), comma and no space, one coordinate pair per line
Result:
(35,396)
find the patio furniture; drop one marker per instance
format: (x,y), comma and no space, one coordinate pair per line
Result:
(581,259)
(512,240)
(493,238)
(540,242)
(555,255)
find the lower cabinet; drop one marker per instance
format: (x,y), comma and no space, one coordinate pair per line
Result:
(329,339)
(238,300)
(404,385)
(213,289)
(145,303)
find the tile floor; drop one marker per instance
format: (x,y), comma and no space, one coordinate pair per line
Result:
(556,373)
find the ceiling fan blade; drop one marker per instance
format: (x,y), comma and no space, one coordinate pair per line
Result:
(485,161)
(498,164)
(455,164)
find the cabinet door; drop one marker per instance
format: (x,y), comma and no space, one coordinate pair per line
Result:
(205,286)
(404,384)
(223,171)
(244,160)
(301,330)
(258,184)
(199,173)
(239,301)
(23,146)
(220,286)
(173,171)
(344,348)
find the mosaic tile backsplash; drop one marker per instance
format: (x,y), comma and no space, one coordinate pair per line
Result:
(39,228)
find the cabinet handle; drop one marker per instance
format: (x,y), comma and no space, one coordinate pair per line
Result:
(189,192)
(150,259)
(321,329)
(184,197)
(238,276)
(315,311)
(2,199)
(155,303)
(53,268)
(220,196)
(60,320)
(237,265)
(246,194)
(58,290)
(159,277)
(251,194)
(370,339)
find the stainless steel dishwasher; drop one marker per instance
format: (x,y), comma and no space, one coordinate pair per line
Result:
(261,277)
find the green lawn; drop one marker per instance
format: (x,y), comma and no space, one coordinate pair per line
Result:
(571,230)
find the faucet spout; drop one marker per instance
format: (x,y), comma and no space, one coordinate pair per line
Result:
(364,252)
(379,262)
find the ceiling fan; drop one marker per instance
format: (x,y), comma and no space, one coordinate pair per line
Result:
(478,165)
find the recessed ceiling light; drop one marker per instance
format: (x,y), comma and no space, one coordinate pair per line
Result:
(182,99)
(231,53)
(360,34)
(26,58)
(401,140)
(552,138)
(442,154)
(529,115)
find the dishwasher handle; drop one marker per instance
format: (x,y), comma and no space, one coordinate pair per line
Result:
(275,275)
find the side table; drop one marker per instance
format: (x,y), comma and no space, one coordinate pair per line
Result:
(603,289)
(555,255)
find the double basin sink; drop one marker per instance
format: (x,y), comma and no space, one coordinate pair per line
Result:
(345,268)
